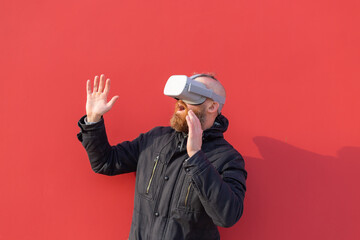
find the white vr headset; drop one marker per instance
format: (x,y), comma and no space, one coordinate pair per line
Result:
(191,91)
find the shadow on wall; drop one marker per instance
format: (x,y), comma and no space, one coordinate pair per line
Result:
(296,194)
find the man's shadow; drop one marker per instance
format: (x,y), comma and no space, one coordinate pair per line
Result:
(293,193)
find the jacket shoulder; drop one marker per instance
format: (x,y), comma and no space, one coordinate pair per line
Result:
(222,146)
(160,131)
(220,152)
(157,133)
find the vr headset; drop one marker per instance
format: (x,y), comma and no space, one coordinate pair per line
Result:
(190,91)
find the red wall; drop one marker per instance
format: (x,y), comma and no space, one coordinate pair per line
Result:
(291,69)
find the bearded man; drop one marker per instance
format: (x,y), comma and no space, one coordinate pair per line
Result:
(189,179)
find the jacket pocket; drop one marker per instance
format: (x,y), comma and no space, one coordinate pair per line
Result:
(187,195)
(152,174)
(188,200)
(147,177)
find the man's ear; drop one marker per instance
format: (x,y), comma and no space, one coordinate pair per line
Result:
(213,107)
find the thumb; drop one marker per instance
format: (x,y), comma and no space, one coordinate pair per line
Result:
(112,101)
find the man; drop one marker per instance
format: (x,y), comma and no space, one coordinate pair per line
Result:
(189,179)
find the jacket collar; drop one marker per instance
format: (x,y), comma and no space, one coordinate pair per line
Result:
(220,126)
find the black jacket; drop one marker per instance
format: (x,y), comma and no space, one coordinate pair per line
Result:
(176,197)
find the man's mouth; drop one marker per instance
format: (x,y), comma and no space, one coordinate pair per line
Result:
(181,108)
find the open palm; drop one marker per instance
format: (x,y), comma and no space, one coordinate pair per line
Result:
(96,103)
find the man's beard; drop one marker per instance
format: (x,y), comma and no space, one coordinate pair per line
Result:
(178,120)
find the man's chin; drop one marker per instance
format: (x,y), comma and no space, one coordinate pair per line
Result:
(179,124)
(183,130)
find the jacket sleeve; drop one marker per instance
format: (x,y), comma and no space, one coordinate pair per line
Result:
(106,159)
(221,194)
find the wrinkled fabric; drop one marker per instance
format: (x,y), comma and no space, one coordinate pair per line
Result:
(176,197)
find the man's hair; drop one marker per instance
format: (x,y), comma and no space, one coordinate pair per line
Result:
(205,74)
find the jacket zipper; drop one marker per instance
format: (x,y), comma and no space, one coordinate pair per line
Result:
(152,174)
(187,194)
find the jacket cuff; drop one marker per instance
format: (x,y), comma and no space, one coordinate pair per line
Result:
(89,123)
(89,129)
(196,164)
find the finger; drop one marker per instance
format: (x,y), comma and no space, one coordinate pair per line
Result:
(112,101)
(187,118)
(102,81)
(190,125)
(88,87)
(195,120)
(96,83)
(198,123)
(107,86)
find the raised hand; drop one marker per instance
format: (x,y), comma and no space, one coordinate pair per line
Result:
(96,103)
(195,134)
